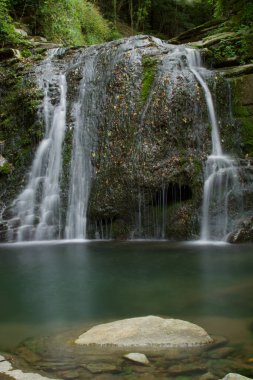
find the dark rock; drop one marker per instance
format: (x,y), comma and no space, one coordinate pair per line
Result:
(220,353)
(243,232)
(187,369)
(8,53)
(102,367)
(238,71)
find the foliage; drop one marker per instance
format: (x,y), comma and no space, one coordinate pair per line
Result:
(167,17)
(240,10)
(73,22)
(7,30)
(6,168)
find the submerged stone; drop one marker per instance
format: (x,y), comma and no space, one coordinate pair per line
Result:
(137,358)
(149,331)
(7,369)
(235,376)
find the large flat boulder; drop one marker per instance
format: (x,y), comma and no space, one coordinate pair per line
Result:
(150,331)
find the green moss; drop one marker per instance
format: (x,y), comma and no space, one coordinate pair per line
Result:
(149,71)
(6,168)
(120,229)
(247,135)
(20,129)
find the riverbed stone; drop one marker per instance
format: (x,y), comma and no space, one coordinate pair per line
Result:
(221,353)
(208,376)
(235,376)
(7,369)
(137,358)
(149,331)
(187,369)
(101,368)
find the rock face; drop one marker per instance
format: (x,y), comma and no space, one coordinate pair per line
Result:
(147,121)
(150,331)
(243,233)
(148,139)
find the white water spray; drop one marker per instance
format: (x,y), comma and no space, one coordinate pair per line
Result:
(221,177)
(43,184)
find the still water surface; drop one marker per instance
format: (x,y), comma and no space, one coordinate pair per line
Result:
(51,286)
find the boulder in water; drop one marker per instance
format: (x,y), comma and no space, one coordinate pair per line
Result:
(235,376)
(243,233)
(149,331)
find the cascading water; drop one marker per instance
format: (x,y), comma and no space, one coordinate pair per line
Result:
(80,163)
(221,176)
(93,96)
(38,212)
(41,222)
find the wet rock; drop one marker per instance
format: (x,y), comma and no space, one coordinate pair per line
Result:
(243,233)
(137,357)
(20,31)
(38,39)
(208,376)
(187,369)
(230,365)
(235,376)
(218,341)
(238,71)
(147,331)
(70,374)
(220,353)
(102,367)
(28,355)
(8,53)
(7,369)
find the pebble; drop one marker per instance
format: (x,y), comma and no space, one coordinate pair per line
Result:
(137,357)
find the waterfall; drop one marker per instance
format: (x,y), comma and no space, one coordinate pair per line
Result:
(43,184)
(80,163)
(41,212)
(126,160)
(221,176)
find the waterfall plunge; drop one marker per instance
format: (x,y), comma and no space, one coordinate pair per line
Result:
(221,177)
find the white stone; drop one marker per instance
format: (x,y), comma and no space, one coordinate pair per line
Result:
(2,160)
(6,368)
(21,31)
(137,357)
(235,376)
(147,331)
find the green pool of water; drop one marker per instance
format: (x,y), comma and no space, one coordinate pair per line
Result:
(52,286)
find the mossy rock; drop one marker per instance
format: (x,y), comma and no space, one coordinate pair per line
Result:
(242,91)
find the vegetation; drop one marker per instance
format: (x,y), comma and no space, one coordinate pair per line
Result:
(72,22)
(149,71)
(77,22)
